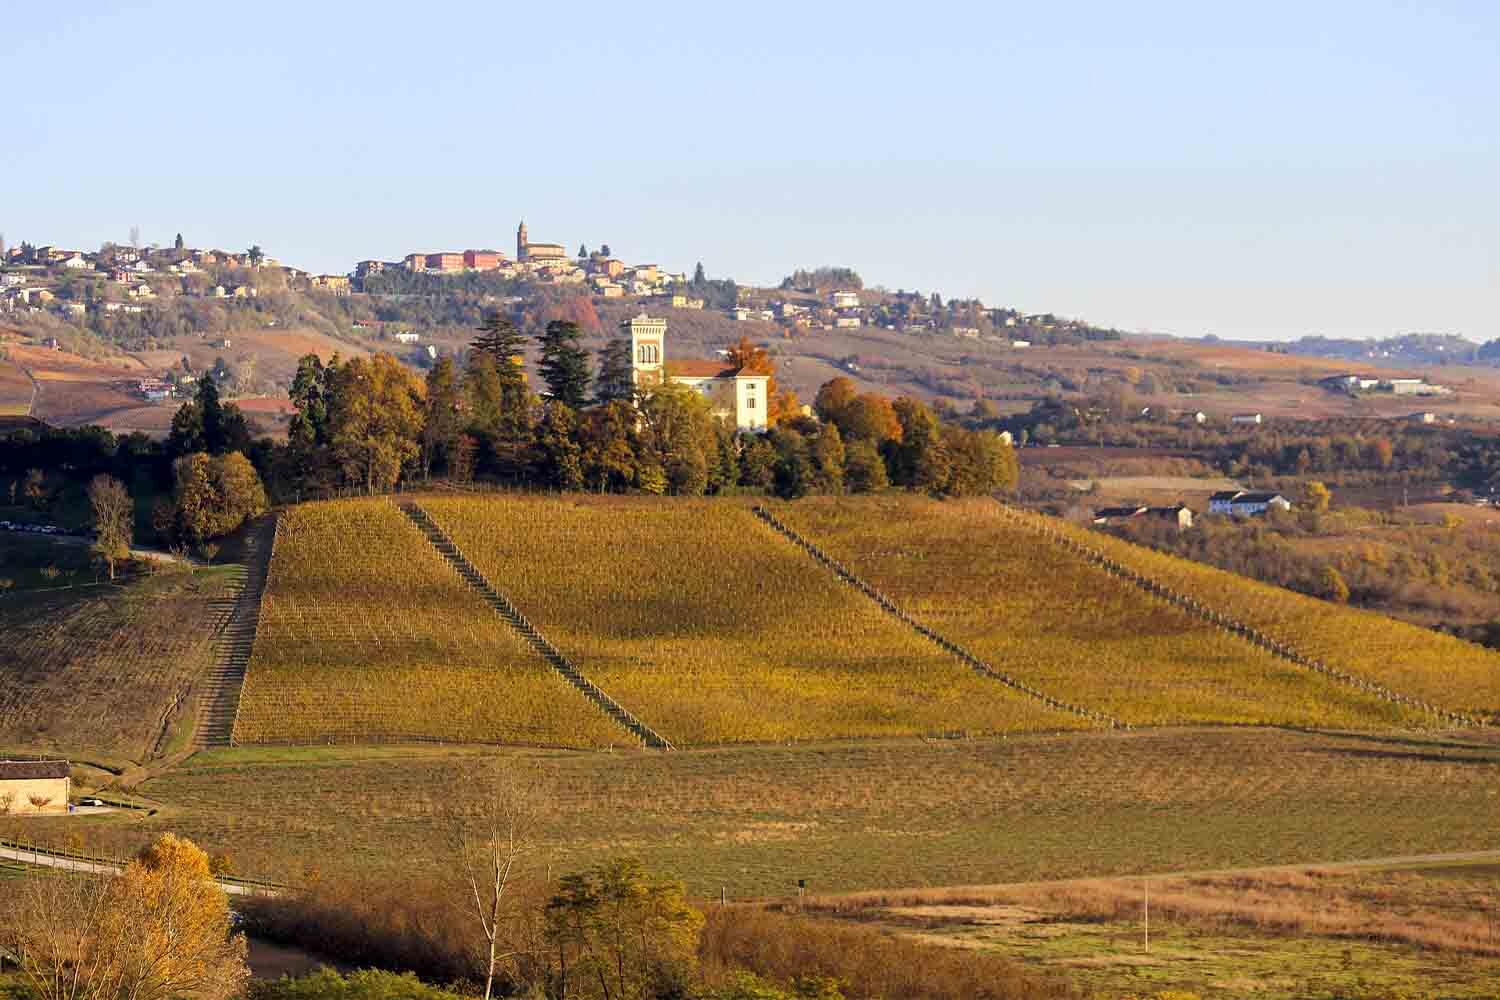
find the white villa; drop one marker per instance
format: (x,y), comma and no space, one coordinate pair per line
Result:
(734,395)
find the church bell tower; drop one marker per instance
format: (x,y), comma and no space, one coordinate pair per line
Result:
(521,241)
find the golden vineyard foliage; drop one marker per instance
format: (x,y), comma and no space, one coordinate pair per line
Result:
(1446,671)
(713,628)
(367,633)
(1045,615)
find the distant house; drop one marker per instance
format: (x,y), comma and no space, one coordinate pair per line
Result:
(1246,503)
(35,787)
(406,337)
(844,300)
(76,262)
(1423,418)
(336,284)
(1020,343)
(1178,514)
(1246,418)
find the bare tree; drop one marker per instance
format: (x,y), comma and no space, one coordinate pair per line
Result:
(52,922)
(39,802)
(492,831)
(114,517)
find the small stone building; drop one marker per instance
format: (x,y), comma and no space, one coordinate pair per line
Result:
(46,781)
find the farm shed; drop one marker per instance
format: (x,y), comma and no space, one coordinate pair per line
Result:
(45,781)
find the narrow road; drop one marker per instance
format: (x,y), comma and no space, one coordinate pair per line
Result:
(43,860)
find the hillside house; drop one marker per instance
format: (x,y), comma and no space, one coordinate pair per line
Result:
(48,782)
(335,284)
(734,395)
(1246,418)
(1177,514)
(1246,503)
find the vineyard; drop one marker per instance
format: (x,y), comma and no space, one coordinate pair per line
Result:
(713,629)
(367,635)
(1045,615)
(1451,673)
(102,666)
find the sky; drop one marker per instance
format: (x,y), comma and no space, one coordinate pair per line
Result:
(1261,171)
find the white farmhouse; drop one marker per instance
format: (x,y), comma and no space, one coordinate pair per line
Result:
(733,394)
(1245,503)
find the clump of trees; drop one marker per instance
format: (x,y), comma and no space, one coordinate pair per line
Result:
(586,426)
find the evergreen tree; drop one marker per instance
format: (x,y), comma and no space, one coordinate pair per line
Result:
(605,250)
(496,384)
(583,252)
(699,275)
(565,365)
(213,415)
(206,424)
(615,379)
(178,244)
(562,457)
(442,421)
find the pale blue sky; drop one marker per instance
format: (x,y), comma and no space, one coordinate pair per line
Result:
(1258,170)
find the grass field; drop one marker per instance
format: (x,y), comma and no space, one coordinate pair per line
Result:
(98,666)
(1451,673)
(849,816)
(1279,934)
(713,629)
(1050,618)
(366,633)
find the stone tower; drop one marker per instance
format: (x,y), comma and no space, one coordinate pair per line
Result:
(521,241)
(648,348)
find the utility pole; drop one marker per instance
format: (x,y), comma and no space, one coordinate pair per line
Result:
(1146,884)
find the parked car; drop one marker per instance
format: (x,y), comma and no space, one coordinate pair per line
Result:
(90,802)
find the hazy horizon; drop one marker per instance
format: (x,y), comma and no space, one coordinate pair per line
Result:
(1254,174)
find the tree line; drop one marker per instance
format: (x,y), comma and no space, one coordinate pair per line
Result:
(369,424)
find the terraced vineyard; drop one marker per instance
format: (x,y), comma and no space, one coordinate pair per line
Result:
(367,635)
(713,629)
(102,666)
(1451,673)
(1047,616)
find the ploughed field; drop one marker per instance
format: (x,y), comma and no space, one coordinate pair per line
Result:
(712,628)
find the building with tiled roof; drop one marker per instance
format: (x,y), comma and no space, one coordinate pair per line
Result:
(734,395)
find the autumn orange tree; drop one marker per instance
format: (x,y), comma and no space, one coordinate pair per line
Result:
(159,930)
